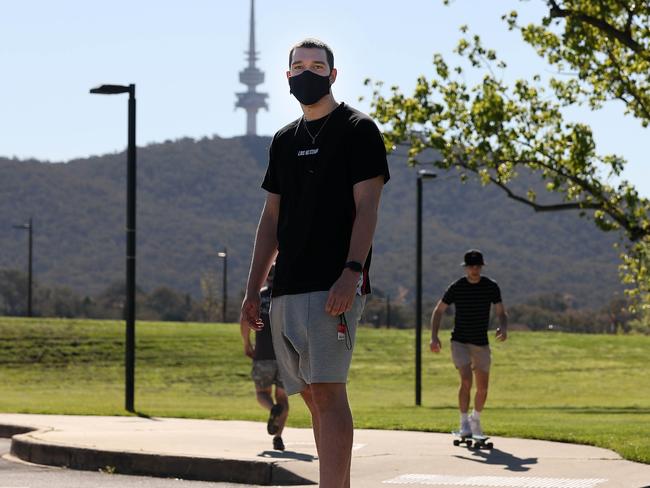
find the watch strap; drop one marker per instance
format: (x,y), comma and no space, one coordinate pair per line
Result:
(354,266)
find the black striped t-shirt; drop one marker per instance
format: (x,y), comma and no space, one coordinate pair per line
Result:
(472,302)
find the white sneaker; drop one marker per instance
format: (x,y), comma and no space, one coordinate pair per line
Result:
(465,429)
(475,425)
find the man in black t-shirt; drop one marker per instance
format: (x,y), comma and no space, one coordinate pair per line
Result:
(472,297)
(265,372)
(324,179)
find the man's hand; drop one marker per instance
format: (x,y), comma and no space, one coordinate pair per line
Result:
(250,311)
(502,334)
(341,295)
(435,345)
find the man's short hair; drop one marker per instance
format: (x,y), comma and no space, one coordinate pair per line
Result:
(310,43)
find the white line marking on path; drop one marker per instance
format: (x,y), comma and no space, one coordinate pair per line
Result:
(355,446)
(494,481)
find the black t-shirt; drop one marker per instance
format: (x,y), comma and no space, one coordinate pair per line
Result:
(317,209)
(263,338)
(472,302)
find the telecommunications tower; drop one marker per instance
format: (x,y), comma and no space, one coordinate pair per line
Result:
(251,76)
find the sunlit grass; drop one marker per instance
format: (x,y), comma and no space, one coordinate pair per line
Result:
(580,388)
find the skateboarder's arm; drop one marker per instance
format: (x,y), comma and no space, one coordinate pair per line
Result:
(502,330)
(436,319)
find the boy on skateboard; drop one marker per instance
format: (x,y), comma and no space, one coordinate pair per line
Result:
(472,296)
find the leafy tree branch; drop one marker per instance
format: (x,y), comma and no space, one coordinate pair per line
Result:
(495,130)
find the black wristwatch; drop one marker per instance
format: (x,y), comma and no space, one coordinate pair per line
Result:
(354,266)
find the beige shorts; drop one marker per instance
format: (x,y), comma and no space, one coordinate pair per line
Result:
(463,354)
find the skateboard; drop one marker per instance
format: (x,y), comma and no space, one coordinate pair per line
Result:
(472,441)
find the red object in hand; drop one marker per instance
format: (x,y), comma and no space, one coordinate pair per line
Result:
(341,331)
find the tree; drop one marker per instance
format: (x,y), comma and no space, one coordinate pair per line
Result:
(495,131)
(12,292)
(59,302)
(210,303)
(168,304)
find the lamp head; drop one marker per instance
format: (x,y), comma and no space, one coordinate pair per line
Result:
(425,173)
(111,89)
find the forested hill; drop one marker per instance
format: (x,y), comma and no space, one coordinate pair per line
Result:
(197,196)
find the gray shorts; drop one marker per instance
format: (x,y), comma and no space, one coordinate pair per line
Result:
(306,342)
(265,374)
(463,354)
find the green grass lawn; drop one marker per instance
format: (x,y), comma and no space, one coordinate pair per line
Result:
(590,389)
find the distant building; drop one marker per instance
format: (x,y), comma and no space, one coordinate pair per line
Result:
(251,76)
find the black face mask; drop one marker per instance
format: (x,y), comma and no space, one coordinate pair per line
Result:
(308,87)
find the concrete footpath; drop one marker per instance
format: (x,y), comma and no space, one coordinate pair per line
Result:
(241,452)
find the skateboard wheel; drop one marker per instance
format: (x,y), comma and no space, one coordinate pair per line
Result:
(469,443)
(489,445)
(456,443)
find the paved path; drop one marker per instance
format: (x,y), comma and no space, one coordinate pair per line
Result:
(241,452)
(18,474)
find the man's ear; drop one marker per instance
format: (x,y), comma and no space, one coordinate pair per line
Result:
(333,74)
(288,74)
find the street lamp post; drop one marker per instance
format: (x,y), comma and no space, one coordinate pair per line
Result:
(388,311)
(224,255)
(28,227)
(130,239)
(422,174)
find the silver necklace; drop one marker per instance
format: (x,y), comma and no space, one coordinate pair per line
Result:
(313,137)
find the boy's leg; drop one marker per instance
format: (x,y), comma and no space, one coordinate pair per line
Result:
(465,388)
(481,361)
(482,378)
(460,355)
(480,397)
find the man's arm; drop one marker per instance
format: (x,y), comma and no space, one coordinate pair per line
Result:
(264,252)
(436,319)
(502,330)
(366,199)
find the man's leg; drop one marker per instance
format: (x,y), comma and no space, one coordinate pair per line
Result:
(315,421)
(335,433)
(347,475)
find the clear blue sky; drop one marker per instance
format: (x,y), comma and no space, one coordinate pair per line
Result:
(185,56)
